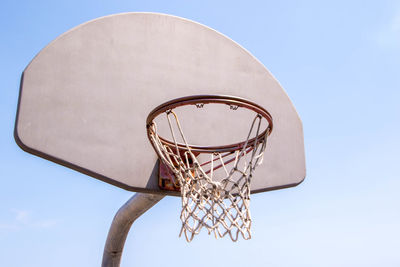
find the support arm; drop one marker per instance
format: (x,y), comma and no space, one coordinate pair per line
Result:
(126,215)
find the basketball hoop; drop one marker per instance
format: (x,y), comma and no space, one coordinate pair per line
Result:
(215,191)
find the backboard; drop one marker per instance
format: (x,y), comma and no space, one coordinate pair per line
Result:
(84,98)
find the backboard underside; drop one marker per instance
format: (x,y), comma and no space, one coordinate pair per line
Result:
(85,97)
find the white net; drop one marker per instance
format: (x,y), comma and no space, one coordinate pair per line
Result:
(215,191)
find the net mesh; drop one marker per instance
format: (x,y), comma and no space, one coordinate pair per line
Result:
(215,192)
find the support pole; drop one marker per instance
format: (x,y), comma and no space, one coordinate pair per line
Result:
(122,222)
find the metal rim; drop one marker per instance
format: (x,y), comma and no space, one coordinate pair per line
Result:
(207,99)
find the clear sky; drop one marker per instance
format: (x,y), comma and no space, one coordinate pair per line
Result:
(339,62)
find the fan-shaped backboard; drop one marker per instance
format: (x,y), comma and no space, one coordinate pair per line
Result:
(85,97)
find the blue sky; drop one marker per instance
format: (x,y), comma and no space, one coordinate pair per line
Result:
(339,62)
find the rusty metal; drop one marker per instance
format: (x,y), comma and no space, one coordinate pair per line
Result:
(200,101)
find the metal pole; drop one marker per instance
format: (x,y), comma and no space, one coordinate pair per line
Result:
(122,222)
